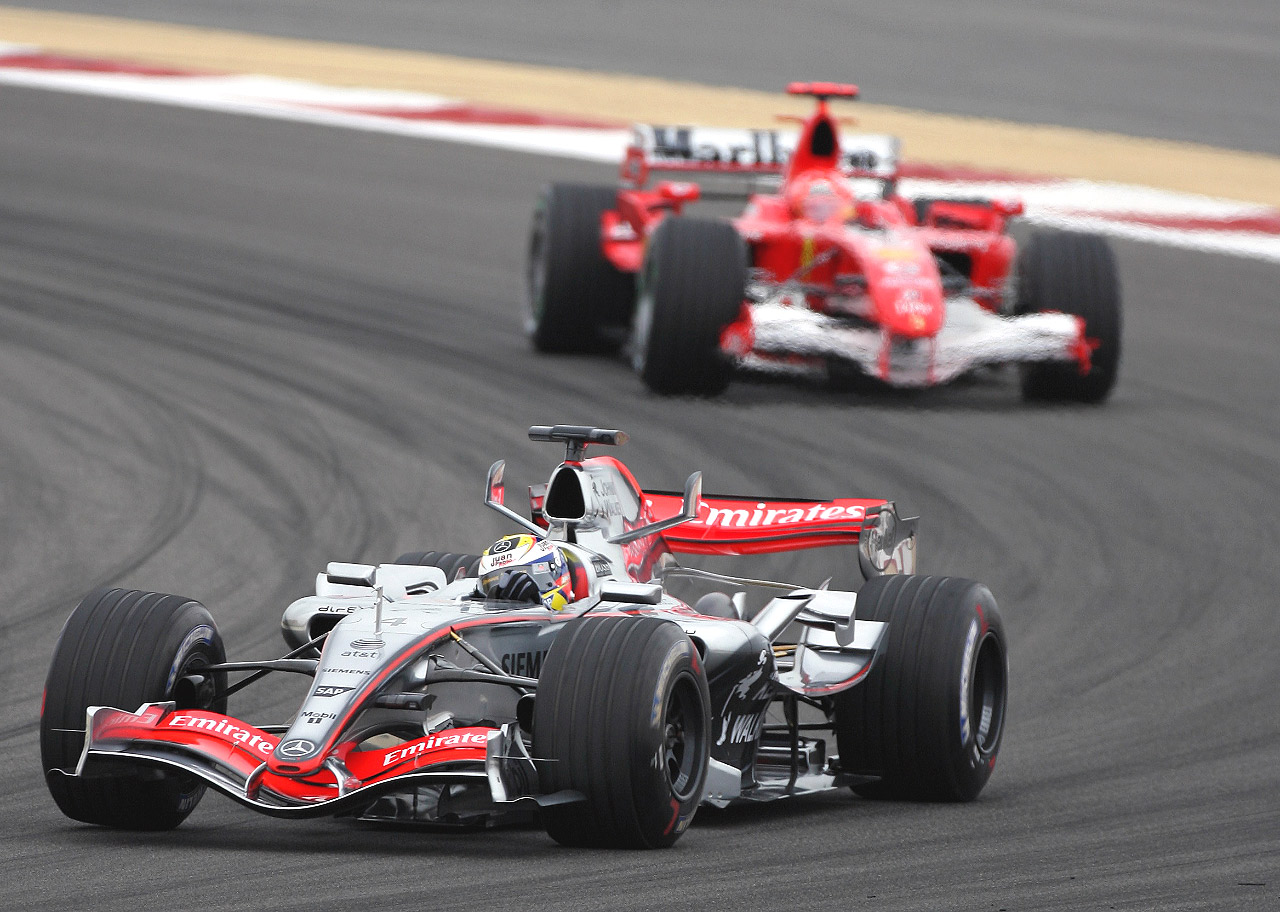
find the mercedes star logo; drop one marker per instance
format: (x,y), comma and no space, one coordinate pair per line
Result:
(298,747)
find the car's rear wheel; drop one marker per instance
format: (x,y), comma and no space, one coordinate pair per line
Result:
(928,719)
(123,648)
(576,300)
(1075,274)
(692,286)
(623,716)
(455,566)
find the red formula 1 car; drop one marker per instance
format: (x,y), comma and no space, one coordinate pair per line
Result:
(835,269)
(440,692)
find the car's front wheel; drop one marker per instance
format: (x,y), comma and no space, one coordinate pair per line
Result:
(692,287)
(928,720)
(123,648)
(623,716)
(1076,274)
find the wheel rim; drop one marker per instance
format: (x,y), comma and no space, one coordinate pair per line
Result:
(188,687)
(188,694)
(988,696)
(683,727)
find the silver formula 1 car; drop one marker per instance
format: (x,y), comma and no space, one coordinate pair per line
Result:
(433,702)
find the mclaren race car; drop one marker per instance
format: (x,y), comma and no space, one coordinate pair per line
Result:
(433,698)
(831,269)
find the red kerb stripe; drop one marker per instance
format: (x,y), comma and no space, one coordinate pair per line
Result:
(38,61)
(926,171)
(476,114)
(1266,223)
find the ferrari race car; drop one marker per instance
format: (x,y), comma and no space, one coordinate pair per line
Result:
(833,269)
(430,702)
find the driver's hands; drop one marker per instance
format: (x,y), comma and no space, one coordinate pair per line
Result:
(518,587)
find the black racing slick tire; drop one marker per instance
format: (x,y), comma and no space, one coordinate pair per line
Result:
(692,286)
(1075,274)
(455,566)
(576,300)
(928,719)
(623,716)
(123,648)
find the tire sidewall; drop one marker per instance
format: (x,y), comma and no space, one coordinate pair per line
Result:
(642,320)
(661,809)
(975,752)
(536,272)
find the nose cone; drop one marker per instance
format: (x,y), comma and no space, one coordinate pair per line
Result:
(907,290)
(915,312)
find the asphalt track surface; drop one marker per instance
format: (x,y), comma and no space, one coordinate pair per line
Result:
(233,349)
(1173,69)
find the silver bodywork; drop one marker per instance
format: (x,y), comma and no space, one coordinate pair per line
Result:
(408,653)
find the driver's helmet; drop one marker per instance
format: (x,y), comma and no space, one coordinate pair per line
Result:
(821,196)
(526,568)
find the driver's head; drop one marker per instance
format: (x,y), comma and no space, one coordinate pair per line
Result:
(820,196)
(526,568)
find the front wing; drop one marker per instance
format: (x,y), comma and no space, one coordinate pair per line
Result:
(972,337)
(230,755)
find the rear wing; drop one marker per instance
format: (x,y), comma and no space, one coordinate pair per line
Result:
(719,150)
(748,525)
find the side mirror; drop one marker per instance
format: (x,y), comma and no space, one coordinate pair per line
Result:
(692,497)
(689,510)
(351,574)
(496,487)
(495,493)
